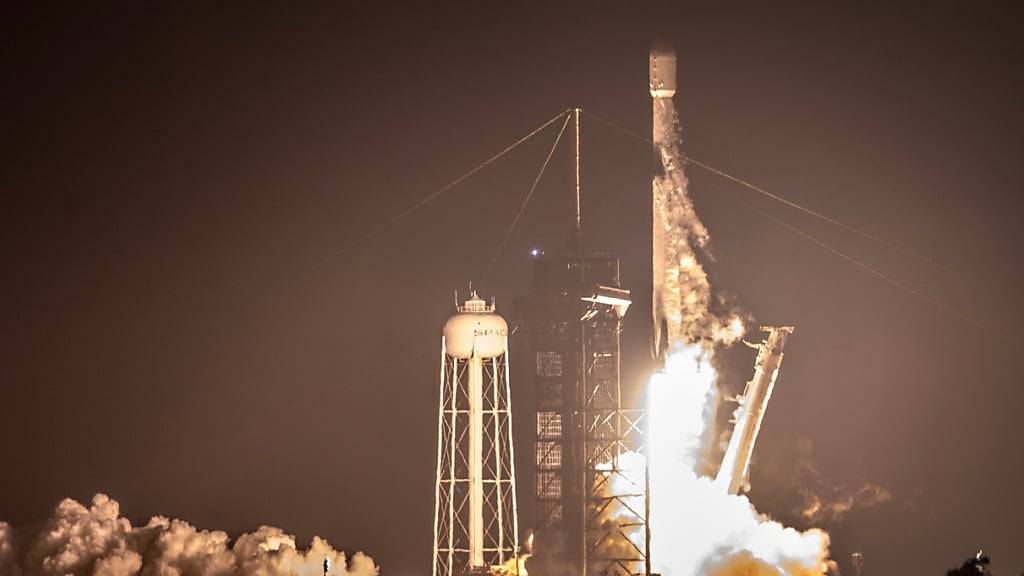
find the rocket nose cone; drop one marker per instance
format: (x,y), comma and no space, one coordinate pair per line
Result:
(662,50)
(663,70)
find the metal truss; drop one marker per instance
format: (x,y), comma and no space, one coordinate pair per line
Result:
(616,532)
(452,489)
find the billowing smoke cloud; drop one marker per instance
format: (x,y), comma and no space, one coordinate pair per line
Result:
(697,527)
(685,302)
(831,509)
(793,482)
(549,556)
(6,546)
(96,541)
(822,502)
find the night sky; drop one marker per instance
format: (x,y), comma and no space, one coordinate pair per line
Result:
(185,330)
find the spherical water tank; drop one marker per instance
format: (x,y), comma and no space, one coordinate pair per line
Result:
(475,328)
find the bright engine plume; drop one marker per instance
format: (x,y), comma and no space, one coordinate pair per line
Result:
(697,528)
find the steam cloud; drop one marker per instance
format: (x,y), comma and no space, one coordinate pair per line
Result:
(97,541)
(697,528)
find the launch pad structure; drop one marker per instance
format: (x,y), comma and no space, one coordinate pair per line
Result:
(589,494)
(590,478)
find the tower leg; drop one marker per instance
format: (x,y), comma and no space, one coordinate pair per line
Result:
(476,483)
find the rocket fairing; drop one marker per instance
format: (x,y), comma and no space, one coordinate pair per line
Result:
(734,472)
(663,71)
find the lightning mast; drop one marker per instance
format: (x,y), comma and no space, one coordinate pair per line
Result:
(735,470)
(587,493)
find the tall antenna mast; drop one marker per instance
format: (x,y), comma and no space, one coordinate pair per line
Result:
(579,218)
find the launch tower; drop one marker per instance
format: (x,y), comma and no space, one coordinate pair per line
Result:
(585,493)
(476,527)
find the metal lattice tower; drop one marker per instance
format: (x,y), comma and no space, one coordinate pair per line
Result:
(615,476)
(476,529)
(590,485)
(588,492)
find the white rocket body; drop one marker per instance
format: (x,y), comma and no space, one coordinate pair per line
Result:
(665,303)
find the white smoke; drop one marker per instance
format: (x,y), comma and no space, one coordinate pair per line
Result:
(685,292)
(6,546)
(823,501)
(832,508)
(96,541)
(791,480)
(697,528)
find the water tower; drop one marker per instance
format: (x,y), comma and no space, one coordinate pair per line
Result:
(476,529)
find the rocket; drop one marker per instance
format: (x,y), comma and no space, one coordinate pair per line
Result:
(663,87)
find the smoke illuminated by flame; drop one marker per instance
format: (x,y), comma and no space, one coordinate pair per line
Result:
(696,527)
